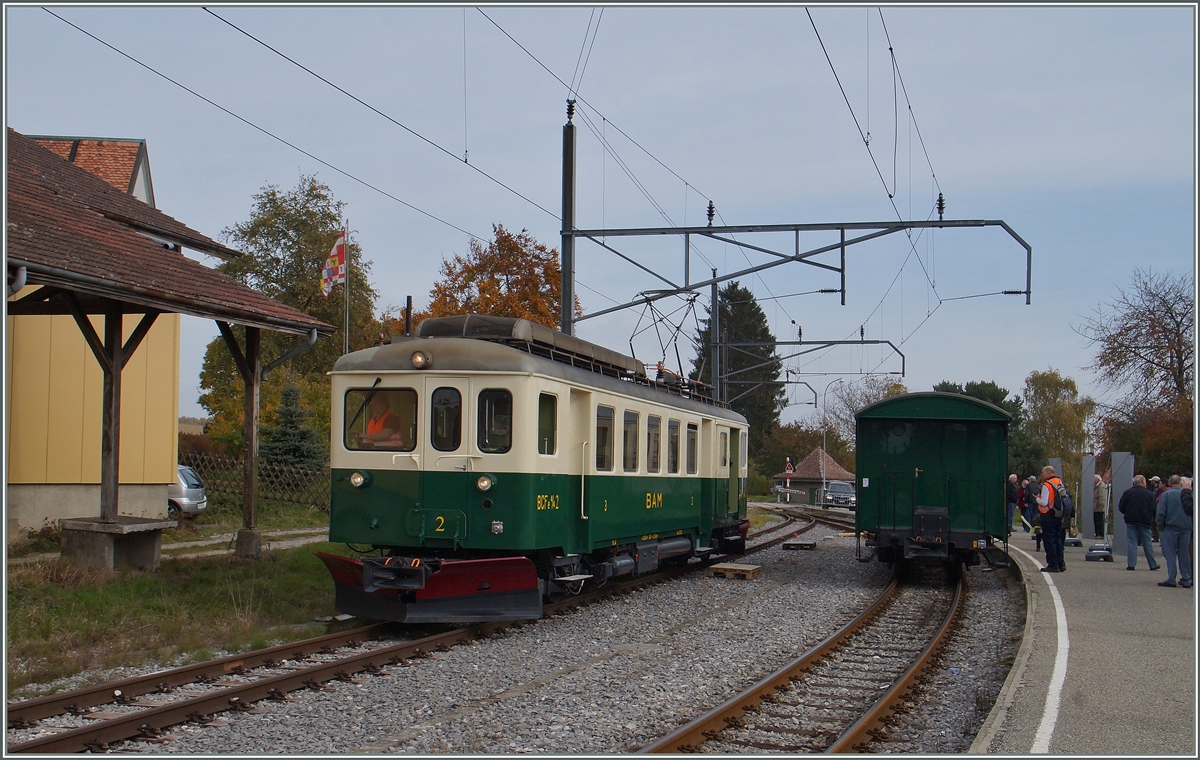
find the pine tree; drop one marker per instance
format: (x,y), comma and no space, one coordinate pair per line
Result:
(288,441)
(743,321)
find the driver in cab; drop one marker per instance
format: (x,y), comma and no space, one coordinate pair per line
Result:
(383,426)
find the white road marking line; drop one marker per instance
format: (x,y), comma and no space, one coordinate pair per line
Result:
(1045,731)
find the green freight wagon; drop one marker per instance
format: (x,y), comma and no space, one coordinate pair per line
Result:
(931,473)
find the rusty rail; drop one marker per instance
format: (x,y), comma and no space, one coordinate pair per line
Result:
(731,712)
(857,735)
(149,722)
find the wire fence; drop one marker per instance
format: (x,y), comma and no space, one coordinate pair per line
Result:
(223,475)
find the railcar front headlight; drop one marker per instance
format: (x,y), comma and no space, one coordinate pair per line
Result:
(359,479)
(485,482)
(421,360)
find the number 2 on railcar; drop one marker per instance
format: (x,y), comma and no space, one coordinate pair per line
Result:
(488,464)
(931,477)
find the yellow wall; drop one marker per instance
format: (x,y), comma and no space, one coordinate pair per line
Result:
(54,395)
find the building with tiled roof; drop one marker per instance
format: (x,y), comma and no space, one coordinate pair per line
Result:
(77,233)
(122,163)
(808,479)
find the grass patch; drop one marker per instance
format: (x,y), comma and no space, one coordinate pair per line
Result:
(63,619)
(48,539)
(224,515)
(760,518)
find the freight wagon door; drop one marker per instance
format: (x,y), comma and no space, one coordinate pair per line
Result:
(896,504)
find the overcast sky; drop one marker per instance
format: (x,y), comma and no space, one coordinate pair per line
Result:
(1076,126)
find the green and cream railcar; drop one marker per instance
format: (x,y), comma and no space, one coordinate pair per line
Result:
(493,462)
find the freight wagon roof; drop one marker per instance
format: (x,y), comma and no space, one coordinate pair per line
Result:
(471,355)
(932,405)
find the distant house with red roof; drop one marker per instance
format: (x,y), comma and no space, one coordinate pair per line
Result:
(807,476)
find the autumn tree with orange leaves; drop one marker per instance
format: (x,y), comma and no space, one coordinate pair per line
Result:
(512,276)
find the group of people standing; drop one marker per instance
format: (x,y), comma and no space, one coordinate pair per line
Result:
(1165,511)
(1169,509)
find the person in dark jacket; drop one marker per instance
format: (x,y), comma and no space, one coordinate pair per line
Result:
(1138,507)
(1032,491)
(1175,529)
(1022,507)
(1010,493)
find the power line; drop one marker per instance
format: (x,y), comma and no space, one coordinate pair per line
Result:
(272,135)
(583,101)
(372,108)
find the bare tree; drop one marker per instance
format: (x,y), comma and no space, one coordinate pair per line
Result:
(850,397)
(1146,340)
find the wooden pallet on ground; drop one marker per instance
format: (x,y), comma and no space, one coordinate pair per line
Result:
(793,543)
(734,570)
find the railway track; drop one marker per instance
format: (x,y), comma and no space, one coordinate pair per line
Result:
(838,696)
(144,707)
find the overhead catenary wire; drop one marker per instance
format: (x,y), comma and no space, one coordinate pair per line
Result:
(577,77)
(263,130)
(375,110)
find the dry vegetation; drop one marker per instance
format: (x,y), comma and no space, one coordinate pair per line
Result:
(63,620)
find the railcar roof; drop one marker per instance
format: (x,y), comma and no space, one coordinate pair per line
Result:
(932,405)
(471,355)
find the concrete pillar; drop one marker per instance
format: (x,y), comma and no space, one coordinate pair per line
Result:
(249,544)
(1122,480)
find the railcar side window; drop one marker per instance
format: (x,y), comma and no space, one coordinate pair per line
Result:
(445,429)
(742,451)
(378,419)
(653,442)
(495,421)
(691,449)
(604,438)
(724,449)
(629,443)
(673,446)
(547,423)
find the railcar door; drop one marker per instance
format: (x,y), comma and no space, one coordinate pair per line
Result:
(448,461)
(727,463)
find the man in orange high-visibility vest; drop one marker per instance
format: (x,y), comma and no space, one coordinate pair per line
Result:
(1052,527)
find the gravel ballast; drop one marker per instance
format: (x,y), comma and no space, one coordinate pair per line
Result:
(617,675)
(607,678)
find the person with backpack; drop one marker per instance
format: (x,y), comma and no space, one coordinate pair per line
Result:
(1137,504)
(1056,510)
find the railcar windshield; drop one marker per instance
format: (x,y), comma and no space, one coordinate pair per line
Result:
(495,421)
(380,419)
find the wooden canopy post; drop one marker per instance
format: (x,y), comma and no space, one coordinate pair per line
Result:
(112,540)
(249,540)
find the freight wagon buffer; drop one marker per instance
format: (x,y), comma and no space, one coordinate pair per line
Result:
(931,473)
(490,463)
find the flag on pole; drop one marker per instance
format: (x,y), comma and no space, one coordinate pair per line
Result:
(335,266)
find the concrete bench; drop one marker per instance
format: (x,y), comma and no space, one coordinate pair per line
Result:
(128,542)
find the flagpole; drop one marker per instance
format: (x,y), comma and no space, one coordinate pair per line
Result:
(346,323)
